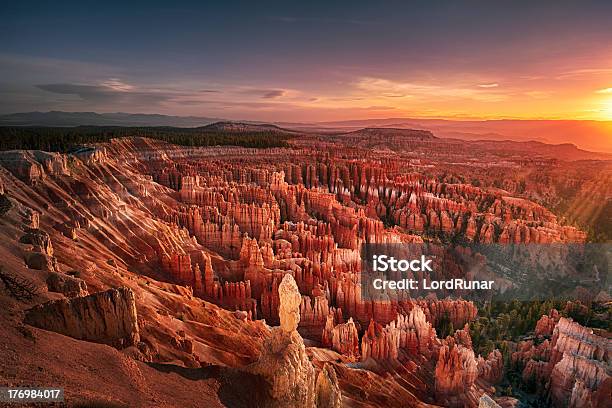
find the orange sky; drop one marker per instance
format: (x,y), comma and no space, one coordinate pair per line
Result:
(311,61)
(574,94)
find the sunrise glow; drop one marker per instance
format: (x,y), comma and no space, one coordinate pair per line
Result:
(295,64)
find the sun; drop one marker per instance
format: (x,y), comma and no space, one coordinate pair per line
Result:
(607,111)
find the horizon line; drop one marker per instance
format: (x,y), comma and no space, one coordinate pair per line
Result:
(416,117)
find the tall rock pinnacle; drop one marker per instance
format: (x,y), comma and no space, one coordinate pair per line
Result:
(290,300)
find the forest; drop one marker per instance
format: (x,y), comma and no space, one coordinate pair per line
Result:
(65,139)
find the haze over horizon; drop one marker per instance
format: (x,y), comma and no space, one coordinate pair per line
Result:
(310,62)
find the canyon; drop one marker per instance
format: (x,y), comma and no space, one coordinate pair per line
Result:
(233,274)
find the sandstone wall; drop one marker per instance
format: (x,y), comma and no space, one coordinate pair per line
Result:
(105,317)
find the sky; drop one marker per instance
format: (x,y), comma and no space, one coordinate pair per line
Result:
(310,61)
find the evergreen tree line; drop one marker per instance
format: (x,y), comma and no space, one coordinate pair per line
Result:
(65,139)
(499,322)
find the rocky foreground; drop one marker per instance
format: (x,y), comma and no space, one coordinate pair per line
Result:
(147,274)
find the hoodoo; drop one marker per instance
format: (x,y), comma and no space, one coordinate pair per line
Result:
(210,245)
(285,365)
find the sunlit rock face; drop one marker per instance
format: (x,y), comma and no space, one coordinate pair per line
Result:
(573,367)
(547,323)
(487,402)
(456,372)
(290,300)
(285,364)
(66,284)
(343,337)
(412,334)
(581,364)
(105,317)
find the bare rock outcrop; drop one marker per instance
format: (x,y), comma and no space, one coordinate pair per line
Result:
(41,256)
(290,300)
(342,338)
(491,369)
(327,389)
(455,374)
(411,333)
(572,368)
(285,365)
(5,203)
(107,317)
(487,402)
(575,379)
(40,240)
(40,261)
(546,324)
(66,284)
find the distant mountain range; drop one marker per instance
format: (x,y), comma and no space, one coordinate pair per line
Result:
(238,127)
(562,151)
(382,133)
(586,134)
(69,119)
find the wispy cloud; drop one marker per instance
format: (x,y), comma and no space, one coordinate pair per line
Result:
(604,91)
(116,93)
(276,93)
(491,85)
(195,102)
(584,72)
(379,108)
(85,92)
(262,93)
(117,85)
(112,90)
(386,87)
(395,95)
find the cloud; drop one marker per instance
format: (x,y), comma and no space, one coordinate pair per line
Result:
(345,99)
(604,91)
(195,102)
(263,93)
(85,92)
(491,85)
(114,93)
(276,93)
(257,105)
(378,107)
(117,85)
(426,91)
(110,91)
(584,72)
